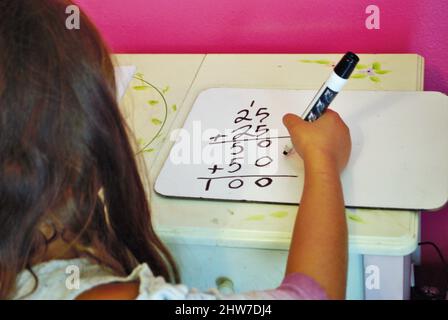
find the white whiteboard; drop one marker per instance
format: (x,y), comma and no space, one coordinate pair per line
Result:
(399,153)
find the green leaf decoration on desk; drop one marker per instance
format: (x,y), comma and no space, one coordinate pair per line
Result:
(355,218)
(156,121)
(361,66)
(166,89)
(371,72)
(153,102)
(275,214)
(325,62)
(256,217)
(376,66)
(359,76)
(145,147)
(140,88)
(382,71)
(279,214)
(363,71)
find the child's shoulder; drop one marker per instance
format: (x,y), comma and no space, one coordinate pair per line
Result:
(61,279)
(84,279)
(112,291)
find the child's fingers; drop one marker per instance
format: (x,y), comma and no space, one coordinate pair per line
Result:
(292,121)
(328,114)
(334,117)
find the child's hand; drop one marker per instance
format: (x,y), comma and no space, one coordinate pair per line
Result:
(328,136)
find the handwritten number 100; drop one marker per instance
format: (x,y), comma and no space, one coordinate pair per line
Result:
(238,183)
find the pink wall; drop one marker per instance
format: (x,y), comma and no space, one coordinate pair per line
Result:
(284,26)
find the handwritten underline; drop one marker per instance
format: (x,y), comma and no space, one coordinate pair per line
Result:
(250,139)
(250,176)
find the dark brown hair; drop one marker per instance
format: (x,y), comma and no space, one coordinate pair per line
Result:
(65,156)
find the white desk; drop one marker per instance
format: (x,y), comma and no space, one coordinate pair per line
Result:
(244,242)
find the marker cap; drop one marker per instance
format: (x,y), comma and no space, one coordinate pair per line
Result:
(346,65)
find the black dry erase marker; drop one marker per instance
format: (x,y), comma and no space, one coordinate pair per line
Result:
(338,78)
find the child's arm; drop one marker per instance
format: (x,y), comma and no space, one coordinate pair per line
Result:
(319,242)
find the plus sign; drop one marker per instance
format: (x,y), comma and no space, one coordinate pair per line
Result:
(215,138)
(215,168)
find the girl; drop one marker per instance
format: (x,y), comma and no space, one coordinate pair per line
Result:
(71,195)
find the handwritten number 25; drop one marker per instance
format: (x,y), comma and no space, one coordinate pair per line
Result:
(243,118)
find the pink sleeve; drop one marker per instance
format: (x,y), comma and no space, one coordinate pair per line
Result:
(300,286)
(295,286)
